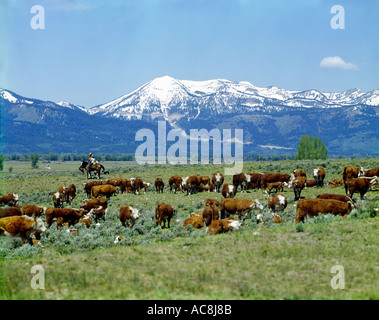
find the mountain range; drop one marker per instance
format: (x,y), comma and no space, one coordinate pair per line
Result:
(273,119)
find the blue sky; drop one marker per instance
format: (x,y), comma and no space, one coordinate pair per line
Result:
(91,52)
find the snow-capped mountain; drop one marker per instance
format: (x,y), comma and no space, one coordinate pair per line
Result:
(174,99)
(271,118)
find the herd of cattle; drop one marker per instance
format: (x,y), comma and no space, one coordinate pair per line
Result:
(27,222)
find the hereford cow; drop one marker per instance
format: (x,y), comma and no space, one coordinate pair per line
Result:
(241,179)
(312,207)
(58,199)
(10,211)
(196,220)
(71,216)
(359,185)
(335,183)
(106,190)
(310,183)
(190,184)
(210,213)
(33,210)
(10,199)
(128,216)
(229,190)
(118,182)
(203,182)
(218,180)
(21,226)
(299,173)
(277,202)
(159,185)
(163,212)
(241,207)
(369,173)
(274,177)
(298,184)
(319,176)
(222,226)
(98,213)
(255,181)
(175,183)
(349,172)
(88,186)
(339,197)
(209,202)
(137,185)
(94,204)
(278,186)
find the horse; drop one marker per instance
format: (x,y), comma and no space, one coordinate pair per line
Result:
(94,167)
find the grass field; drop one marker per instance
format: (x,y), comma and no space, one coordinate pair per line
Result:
(277,261)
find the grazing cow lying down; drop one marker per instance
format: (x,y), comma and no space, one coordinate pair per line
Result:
(21,226)
(10,199)
(128,216)
(312,207)
(222,226)
(209,202)
(196,220)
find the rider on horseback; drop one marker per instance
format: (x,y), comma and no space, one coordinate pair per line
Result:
(91,161)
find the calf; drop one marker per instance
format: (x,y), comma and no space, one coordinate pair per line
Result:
(33,210)
(159,185)
(241,207)
(9,212)
(359,185)
(210,213)
(222,226)
(319,176)
(277,202)
(209,202)
(278,186)
(68,193)
(10,199)
(241,179)
(71,216)
(196,220)
(128,216)
(229,190)
(218,180)
(95,203)
(312,207)
(163,212)
(310,183)
(21,226)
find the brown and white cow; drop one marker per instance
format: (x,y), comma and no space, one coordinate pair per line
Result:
(369,172)
(88,186)
(159,185)
(299,173)
(312,207)
(278,186)
(274,177)
(33,210)
(10,199)
(311,183)
(164,212)
(241,207)
(58,199)
(210,213)
(339,197)
(209,202)
(190,184)
(203,182)
(196,220)
(349,172)
(69,215)
(128,216)
(242,180)
(118,182)
(175,183)
(10,211)
(359,185)
(298,184)
(218,180)
(229,190)
(277,202)
(21,226)
(319,176)
(255,181)
(94,204)
(224,225)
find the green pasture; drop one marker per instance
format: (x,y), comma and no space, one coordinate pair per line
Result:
(277,261)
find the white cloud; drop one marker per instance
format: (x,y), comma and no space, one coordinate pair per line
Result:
(337,63)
